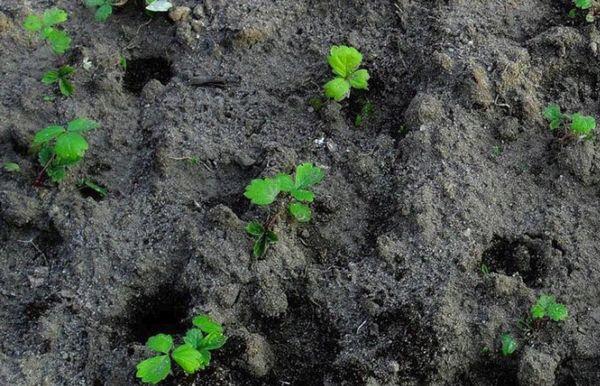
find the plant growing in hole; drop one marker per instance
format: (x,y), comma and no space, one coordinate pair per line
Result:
(192,355)
(46,26)
(60,76)
(546,306)
(579,126)
(59,148)
(296,197)
(344,62)
(589,6)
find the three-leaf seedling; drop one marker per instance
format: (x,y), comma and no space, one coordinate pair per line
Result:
(297,194)
(59,148)
(46,25)
(192,355)
(586,5)
(345,62)
(580,126)
(60,76)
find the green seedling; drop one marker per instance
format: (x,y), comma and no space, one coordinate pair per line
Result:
(59,148)
(192,355)
(295,193)
(579,126)
(485,269)
(585,5)
(11,167)
(366,112)
(46,26)
(344,62)
(497,151)
(509,344)
(60,76)
(102,8)
(86,183)
(546,306)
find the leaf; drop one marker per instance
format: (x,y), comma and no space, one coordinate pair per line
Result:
(70,147)
(552,113)
(45,155)
(271,237)
(59,41)
(188,358)
(509,344)
(583,4)
(162,343)
(153,370)
(284,182)
(260,247)
(54,16)
(538,312)
(303,195)
(103,12)
(301,212)
(193,337)
(47,134)
(582,125)
(254,228)
(11,167)
(344,60)
(207,324)
(360,79)
(102,191)
(213,341)
(308,175)
(557,312)
(50,77)
(56,172)
(65,71)
(33,23)
(95,3)
(66,87)
(337,89)
(159,6)
(81,125)
(262,191)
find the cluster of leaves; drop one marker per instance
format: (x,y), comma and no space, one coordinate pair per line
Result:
(46,25)
(546,306)
(345,62)
(192,355)
(59,148)
(60,76)
(265,191)
(585,5)
(580,126)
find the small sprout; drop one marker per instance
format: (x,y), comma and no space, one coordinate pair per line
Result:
(45,24)
(344,62)
(103,8)
(123,62)
(497,151)
(11,167)
(262,238)
(509,344)
(59,148)
(546,306)
(60,76)
(192,355)
(158,5)
(366,112)
(485,270)
(581,126)
(86,183)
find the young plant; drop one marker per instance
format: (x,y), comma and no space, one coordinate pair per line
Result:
(46,26)
(60,76)
(585,5)
(59,148)
(546,306)
(296,196)
(103,8)
(192,355)
(365,113)
(579,126)
(509,344)
(344,62)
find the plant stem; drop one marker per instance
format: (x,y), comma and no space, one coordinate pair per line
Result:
(38,179)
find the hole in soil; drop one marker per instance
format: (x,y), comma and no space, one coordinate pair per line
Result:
(162,312)
(524,256)
(36,308)
(578,371)
(491,372)
(141,70)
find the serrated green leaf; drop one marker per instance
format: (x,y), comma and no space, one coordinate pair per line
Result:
(538,311)
(81,125)
(213,341)
(259,247)
(47,134)
(337,89)
(344,60)
(284,182)
(65,71)
(193,337)
(153,370)
(56,172)
(70,147)
(59,41)
(45,155)
(359,79)
(50,77)
(188,358)
(303,195)
(11,167)
(66,87)
(33,23)
(207,324)
(254,228)
(271,237)
(582,125)
(262,191)
(308,175)
(103,12)
(557,312)
(162,343)
(54,16)
(301,212)
(509,344)
(583,4)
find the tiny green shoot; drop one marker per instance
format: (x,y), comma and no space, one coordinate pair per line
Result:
(579,126)
(60,76)
(497,151)
(509,344)
(46,26)
(366,112)
(345,62)
(11,167)
(102,8)
(87,183)
(546,306)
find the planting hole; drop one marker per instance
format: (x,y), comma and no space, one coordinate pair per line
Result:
(141,70)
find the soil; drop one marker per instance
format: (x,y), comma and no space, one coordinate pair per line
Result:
(455,169)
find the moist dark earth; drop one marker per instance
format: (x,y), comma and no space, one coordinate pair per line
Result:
(456,169)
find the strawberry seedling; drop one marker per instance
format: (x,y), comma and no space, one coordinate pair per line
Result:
(46,26)
(103,8)
(344,62)
(572,125)
(585,5)
(192,355)
(509,344)
(59,148)
(546,306)
(296,196)
(60,76)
